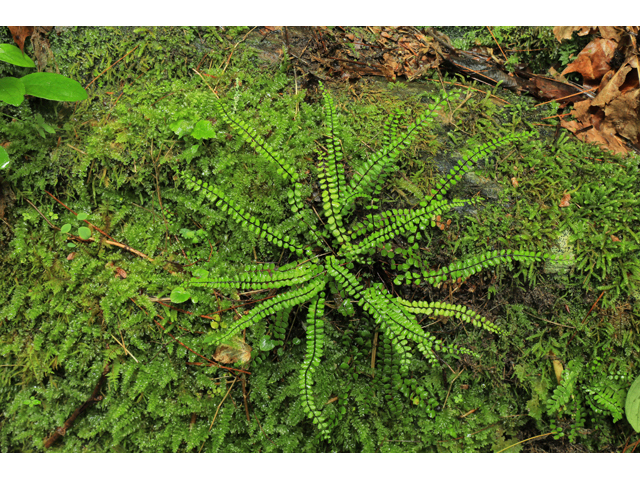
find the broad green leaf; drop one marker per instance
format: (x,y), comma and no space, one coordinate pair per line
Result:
(53,86)
(11,91)
(66,228)
(4,158)
(632,405)
(203,129)
(179,295)
(82,216)
(12,54)
(84,233)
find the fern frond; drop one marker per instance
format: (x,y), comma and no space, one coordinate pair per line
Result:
(603,397)
(393,223)
(463,166)
(373,170)
(449,310)
(242,217)
(249,135)
(315,347)
(263,279)
(465,268)
(334,159)
(269,307)
(331,200)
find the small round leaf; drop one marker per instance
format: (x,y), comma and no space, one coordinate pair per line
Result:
(82,216)
(66,228)
(84,233)
(179,295)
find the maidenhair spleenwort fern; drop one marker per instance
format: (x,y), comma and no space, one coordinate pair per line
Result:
(339,250)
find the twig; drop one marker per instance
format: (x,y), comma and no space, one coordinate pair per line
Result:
(209,362)
(94,398)
(110,242)
(5,222)
(46,219)
(244,396)
(373,354)
(450,387)
(568,96)
(586,316)
(532,438)
(254,416)
(494,38)
(218,409)
(74,148)
(112,65)
(124,348)
(634,445)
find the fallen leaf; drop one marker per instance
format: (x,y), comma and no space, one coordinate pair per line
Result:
(236,351)
(593,61)
(612,89)
(565,33)
(589,134)
(613,33)
(71,256)
(566,198)
(514,181)
(614,238)
(20,34)
(120,273)
(621,116)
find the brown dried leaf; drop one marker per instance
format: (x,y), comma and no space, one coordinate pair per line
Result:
(614,238)
(120,273)
(593,61)
(565,202)
(621,115)
(20,34)
(238,351)
(565,33)
(612,89)
(514,181)
(589,134)
(71,256)
(613,33)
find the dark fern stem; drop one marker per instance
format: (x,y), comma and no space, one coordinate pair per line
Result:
(345,244)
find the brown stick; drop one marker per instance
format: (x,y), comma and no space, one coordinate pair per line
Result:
(244,396)
(112,65)
(210,363)
(586,316)
(94,398)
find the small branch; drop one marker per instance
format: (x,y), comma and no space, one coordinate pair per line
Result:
(373,354)
(124,348)
(218,409)
(41,214)
(112,65)
(532,438)
(94,398)
(244,396)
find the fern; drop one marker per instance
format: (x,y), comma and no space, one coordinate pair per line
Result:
(347,246)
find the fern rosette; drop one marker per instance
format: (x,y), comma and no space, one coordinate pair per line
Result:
(348,245)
